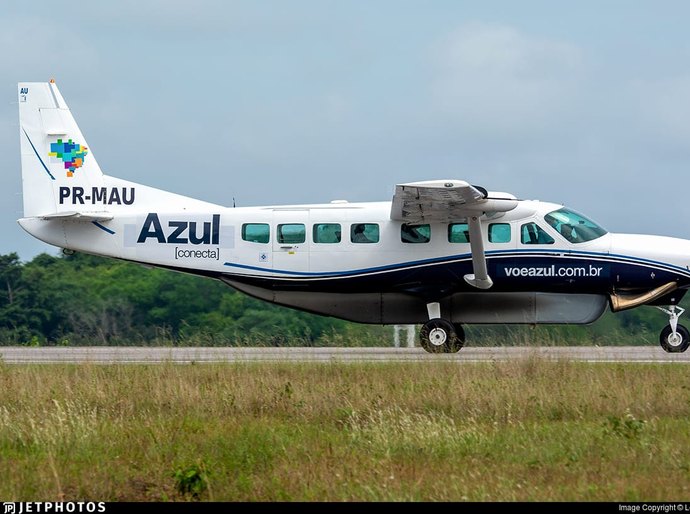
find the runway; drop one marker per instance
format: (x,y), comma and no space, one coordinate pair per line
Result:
(157,355)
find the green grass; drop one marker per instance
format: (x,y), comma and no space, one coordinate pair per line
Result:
(514,431)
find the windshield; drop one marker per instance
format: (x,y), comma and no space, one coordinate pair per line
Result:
(573,226)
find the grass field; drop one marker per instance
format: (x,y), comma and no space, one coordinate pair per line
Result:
(525,430)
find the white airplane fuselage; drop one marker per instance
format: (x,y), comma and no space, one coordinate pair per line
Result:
(441,252)
(388,281)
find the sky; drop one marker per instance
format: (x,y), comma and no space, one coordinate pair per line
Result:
(282,102)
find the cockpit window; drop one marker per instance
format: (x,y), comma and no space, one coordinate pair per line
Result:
(573,226)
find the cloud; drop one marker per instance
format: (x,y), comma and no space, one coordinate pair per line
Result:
(50,46)
(493,77)
(663,107)
(197,20)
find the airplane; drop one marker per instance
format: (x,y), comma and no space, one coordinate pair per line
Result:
(442,253)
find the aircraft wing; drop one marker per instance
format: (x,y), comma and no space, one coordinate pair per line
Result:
(446,201)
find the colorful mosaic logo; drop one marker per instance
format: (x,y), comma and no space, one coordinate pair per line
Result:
(70,153)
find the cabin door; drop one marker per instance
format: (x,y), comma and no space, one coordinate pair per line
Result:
(291,241)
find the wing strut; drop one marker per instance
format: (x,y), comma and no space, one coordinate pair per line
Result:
(480,278)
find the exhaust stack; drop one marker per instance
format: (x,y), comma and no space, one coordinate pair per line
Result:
(624,302)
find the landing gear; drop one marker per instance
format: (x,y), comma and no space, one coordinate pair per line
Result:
(440,336)
(674,338)
(675,343)
(459,336)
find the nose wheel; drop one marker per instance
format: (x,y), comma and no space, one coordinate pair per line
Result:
(674,338)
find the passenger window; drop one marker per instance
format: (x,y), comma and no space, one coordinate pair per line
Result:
(364,233)
(255,232)
(292,233)
(458,233)
(415,233)
(499,233)
(533,234)
(326,233)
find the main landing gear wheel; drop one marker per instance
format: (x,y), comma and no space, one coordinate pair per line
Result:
(439,336)
(459,336)
(675,342)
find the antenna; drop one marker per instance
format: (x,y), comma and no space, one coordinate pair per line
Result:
(233,202)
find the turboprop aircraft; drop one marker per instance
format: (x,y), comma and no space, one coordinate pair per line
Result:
(441,253)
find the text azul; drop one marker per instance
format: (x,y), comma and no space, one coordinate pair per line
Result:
(183,232)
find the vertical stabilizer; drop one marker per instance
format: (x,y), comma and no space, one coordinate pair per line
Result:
(54,153)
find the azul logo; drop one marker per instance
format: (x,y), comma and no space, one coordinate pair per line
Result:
(70,153)
(183,232)
(97,195)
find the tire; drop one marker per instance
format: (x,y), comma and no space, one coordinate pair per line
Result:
(677,344)
(438,336)
(459,337)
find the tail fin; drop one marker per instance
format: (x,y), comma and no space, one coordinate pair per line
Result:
(53,149)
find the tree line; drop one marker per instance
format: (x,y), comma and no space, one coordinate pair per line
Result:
(81,299)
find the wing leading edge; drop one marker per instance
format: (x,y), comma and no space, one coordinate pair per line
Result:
(447,201)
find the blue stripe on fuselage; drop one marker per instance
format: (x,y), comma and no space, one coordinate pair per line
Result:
(521,254)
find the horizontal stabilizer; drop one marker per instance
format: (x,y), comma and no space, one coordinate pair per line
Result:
(78,216)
